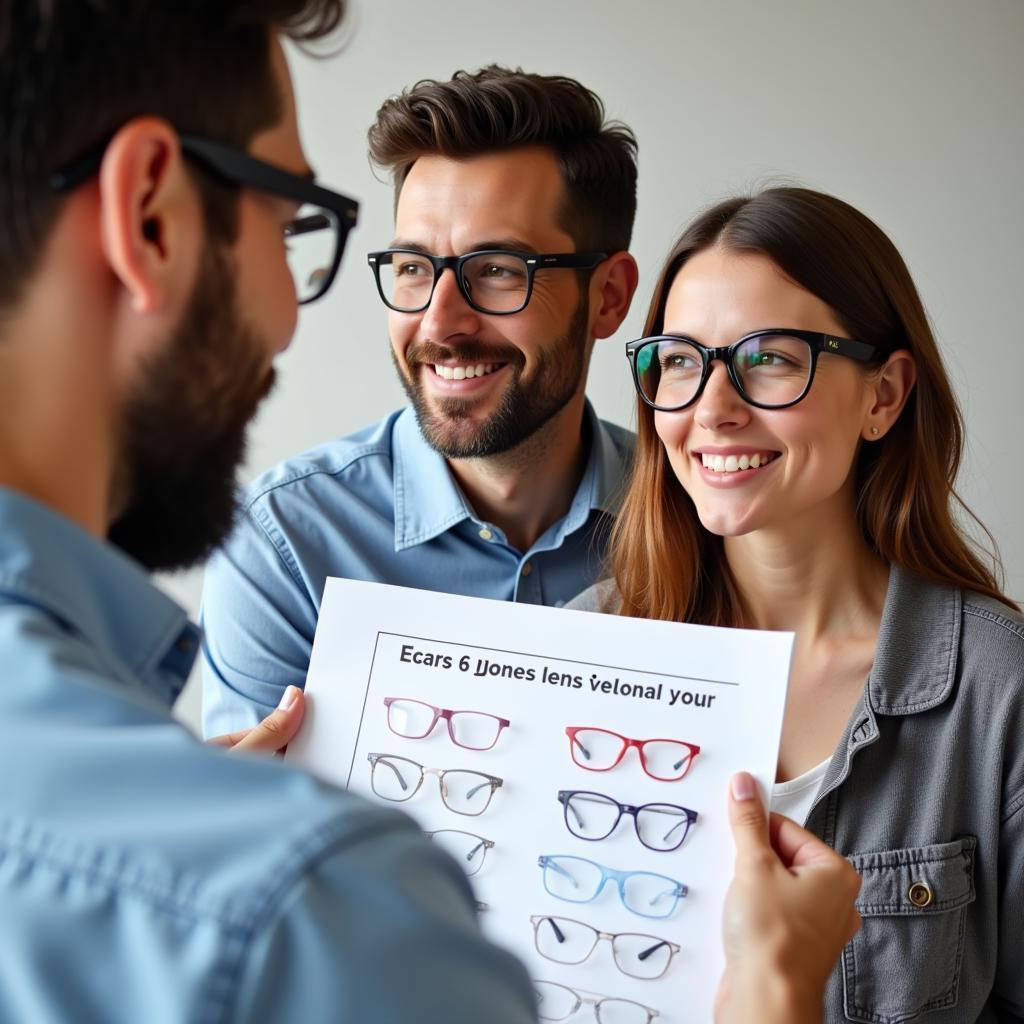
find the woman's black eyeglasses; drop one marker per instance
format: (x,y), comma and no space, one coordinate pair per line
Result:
(772,368)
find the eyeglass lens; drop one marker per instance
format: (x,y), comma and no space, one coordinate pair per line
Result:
(311,243)
(772,369)
(594,816)
(495,282)
(559,1002)
(468,849)
(567,941)
(475,730)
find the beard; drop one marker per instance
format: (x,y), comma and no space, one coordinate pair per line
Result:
(526,405)
(183,432)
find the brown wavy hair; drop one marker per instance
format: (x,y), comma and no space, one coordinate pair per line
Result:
(666,565)
(495,109)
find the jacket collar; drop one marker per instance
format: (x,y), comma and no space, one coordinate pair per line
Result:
(918,643)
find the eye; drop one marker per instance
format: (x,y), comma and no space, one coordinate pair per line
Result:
(767,359)
(679,362)
(409,268)
(497,271)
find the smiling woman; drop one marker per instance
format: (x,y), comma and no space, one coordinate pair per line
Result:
(798,443)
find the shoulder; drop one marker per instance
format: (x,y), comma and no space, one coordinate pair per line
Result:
(369,449)
(623,440)
(601,597)
(985,617)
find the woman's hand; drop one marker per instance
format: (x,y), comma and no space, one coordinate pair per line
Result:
(274,733)
(788,913)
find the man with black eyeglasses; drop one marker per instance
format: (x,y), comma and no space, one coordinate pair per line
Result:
(151,174)
(515,201)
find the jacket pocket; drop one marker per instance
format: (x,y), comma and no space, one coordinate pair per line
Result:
(906,958)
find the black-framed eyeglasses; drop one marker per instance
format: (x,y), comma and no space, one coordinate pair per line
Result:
(315,237)
(495,281)
(771,369)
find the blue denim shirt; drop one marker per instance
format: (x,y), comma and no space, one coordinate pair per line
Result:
(380,505)
(146,877)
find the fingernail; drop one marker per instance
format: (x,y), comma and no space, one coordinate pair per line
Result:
(288,698)
(743,787)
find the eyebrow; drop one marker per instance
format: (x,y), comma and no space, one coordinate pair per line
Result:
(507,244)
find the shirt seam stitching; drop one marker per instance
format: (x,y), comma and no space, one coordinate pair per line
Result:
(298,475)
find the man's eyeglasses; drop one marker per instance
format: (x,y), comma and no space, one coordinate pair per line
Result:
(315,237)
(770,369)
(495,281)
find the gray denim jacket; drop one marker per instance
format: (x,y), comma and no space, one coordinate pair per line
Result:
(925,795)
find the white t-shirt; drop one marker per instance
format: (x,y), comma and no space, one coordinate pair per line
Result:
(794,798)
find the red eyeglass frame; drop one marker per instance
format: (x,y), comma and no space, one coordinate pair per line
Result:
(572,730)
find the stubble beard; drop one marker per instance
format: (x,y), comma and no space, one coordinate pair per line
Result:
(525,407)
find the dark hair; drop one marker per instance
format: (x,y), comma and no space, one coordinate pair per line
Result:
(667,566)
(496,109)
(71,73)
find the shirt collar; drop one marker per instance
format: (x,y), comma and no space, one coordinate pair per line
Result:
(428,501)
(49,561)
(918,642)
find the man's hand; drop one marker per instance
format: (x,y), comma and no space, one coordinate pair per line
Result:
(788,913)
(274,733)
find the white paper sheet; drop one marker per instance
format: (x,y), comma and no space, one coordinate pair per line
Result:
(545,669)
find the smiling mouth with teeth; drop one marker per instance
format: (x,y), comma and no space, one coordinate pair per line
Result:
(734,463)
(465,372)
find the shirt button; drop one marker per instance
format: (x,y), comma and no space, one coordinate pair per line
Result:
(920,894)
(486,534)
(527,569)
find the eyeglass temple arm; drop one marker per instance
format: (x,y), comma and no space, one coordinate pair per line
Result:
(305,225)
(546,862)
(375,760)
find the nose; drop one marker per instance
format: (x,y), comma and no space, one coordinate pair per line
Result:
(720,406)
(449,314)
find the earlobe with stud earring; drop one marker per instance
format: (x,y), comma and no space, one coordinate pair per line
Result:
(874,431)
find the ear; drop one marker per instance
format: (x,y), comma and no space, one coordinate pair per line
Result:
(149,214)
(892,385)
(611,291)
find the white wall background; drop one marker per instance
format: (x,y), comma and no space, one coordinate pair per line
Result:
(912,110)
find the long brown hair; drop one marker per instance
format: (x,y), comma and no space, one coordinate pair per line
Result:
(666,565)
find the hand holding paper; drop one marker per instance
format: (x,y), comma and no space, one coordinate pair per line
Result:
(788,913)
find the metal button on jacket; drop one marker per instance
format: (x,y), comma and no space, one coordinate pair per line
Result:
(920,894)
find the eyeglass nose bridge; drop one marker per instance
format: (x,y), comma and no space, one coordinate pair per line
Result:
(439,772)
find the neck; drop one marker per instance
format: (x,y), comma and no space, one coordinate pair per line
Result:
(796,579)
(527,489)
(55,422)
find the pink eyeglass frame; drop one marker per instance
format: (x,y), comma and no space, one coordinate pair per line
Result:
(446,714)
(572,730)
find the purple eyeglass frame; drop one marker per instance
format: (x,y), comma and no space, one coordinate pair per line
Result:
(446,714)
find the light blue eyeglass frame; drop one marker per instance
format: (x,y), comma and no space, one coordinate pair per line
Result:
(558,862)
